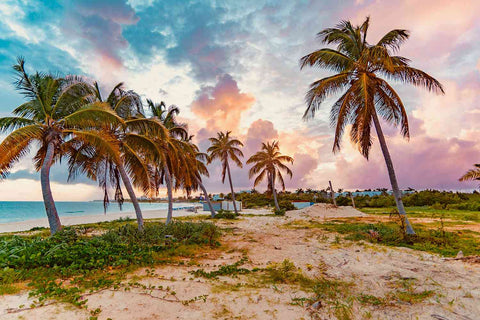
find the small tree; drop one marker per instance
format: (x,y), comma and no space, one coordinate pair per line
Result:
(268,164)
(224,148)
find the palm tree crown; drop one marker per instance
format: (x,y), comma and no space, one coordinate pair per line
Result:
(136,138)
(223,148)
(359,68)
(57,115)
(269,162)
(472,174)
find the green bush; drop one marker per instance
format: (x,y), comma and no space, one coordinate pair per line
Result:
(225,214)
(286,205)
(68,253)
(280,212)
(446,243)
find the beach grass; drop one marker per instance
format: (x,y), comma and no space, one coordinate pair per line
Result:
(429,212)
(64,266)
(432,238)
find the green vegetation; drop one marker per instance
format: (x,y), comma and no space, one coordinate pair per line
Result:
(437,240)
(279,212)
(404,291)
(434,198)
(68,263)
(429,212)
(258,200)
(225,270)
(225,214)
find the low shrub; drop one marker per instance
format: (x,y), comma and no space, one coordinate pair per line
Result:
(286,205)
(225,214)
(446,243)
(67,253)
(280,212)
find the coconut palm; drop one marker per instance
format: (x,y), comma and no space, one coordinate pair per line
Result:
(195,161)
(360,69)
(472,174)
(136,138)
(170,168)
(55,116)
(223,147)
(269,164)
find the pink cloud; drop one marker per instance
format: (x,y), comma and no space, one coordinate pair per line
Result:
(423,162)
(222,105)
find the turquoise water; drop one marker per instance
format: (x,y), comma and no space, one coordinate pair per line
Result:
(13,211)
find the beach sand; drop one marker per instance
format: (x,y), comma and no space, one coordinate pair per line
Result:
(373,269)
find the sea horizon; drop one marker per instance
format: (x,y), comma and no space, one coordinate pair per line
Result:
(18,211)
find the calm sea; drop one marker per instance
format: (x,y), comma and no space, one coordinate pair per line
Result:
(12,211)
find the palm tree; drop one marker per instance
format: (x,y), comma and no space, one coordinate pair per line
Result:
(136,138)
(472,174)
(223,147)
(268,163)
(359,68)
(56,115)
(170,168)
(196,163)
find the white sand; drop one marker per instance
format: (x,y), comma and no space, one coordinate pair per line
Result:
(81,219)
(375,269)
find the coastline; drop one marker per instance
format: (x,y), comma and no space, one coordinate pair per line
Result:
(26,225)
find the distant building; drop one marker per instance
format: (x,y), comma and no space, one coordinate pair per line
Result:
(216,206)
(228,205)
(302,204)
(216,197)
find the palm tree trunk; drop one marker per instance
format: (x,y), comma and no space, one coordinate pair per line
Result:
(168,182)
(200,183)
(391,173)
(231,188)
(274,192)
(131,193)
(53,219)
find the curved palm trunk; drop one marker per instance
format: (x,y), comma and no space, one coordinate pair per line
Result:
(131,193)
(391,173)
(274,192)
(231,188)
(168,182)
(53,219)
(200,183)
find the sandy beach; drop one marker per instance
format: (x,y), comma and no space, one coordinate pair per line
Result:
(374,270)
(81,219)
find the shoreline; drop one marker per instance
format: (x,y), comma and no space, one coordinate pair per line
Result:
(26,225)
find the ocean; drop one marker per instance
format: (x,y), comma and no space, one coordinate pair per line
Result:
(14,211)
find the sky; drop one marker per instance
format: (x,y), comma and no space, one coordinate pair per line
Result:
(233,65)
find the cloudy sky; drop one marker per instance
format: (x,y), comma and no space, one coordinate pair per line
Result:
(233,65)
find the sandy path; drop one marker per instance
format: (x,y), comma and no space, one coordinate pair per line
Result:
(374,269)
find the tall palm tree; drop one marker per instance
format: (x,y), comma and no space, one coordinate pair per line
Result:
(268,163)
(223,147)
(55,116)
(171,166)
(359,68)
(197,168)
(136,138)
(472,174)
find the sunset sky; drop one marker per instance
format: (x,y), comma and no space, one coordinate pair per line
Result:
(233,65)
